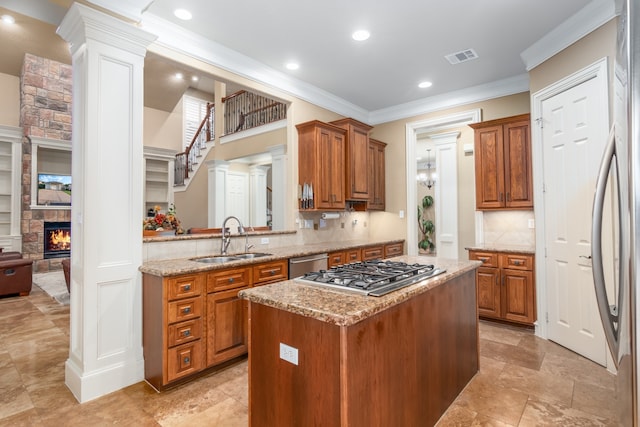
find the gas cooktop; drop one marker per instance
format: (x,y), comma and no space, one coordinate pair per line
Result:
(375,278)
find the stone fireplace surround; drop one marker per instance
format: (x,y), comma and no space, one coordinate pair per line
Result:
(45,112)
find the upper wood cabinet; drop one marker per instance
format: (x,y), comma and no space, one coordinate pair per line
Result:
(357,158)
(321,163)
(503,164)
(376,175)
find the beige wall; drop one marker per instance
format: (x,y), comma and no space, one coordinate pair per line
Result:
(584,52)
(162,129)
(10,103)
(388,225)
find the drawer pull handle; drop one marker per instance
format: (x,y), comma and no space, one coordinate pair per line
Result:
(187,288)
(517,262)
(186,360)
(483,259)
(186,333)
(186,310)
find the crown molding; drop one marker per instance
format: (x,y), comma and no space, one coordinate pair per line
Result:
(504,87)
(130,9)
(186,42)
(588,19)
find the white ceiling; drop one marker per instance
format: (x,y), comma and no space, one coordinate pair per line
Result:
(409,39)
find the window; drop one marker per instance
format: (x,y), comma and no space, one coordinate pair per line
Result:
(194,111)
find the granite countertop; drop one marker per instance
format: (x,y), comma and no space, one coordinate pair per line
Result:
(499,247)
(345,308)
(177,266)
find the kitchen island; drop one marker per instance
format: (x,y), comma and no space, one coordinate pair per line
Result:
(319,356)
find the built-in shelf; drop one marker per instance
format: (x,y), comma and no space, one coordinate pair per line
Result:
(158,178)
(10,182)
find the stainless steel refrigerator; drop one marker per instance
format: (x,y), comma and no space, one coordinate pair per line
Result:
(618,190)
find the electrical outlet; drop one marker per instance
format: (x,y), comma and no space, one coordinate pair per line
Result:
(264,240)
(532,223)
(308,223)
(288,353)
(401,214)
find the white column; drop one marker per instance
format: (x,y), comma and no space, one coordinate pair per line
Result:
(217,171)
(278,186)
(258,195)
(106,298)
(446,194)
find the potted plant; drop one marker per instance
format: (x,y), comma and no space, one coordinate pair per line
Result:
(427,227)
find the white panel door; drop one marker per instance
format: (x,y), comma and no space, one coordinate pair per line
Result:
(238,196)
(573,136)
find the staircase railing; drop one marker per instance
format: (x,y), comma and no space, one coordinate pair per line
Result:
(189,157)
(245,110)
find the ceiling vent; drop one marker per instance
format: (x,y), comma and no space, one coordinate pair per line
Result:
(462,56)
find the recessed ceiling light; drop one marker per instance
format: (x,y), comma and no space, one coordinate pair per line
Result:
(423,85)
(360,35)
(8,19)
(179,76)
(183,14)
(292,65)
(194,78)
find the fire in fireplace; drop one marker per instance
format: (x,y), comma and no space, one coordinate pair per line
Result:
(57,239)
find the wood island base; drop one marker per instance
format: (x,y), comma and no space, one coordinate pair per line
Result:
(403,366)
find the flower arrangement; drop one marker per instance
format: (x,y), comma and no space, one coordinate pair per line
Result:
(159,221)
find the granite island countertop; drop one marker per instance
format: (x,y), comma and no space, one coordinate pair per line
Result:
(177,266)
(345,308)
(500,247)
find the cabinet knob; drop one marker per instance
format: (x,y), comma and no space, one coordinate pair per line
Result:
(517,262)
(230,279)
(483,259)
(187,287)
(186,360)
(186,310)
(186,333)
(273,272)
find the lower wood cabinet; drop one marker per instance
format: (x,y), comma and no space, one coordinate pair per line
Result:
(172,327)
(367,253)
(505,286)
(226,326)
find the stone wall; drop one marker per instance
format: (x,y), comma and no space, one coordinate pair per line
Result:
(45,112)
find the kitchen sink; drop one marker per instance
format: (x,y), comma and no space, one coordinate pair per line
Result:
(250,255)
(215,259)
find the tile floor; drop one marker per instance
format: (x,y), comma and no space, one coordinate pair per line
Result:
(524,381)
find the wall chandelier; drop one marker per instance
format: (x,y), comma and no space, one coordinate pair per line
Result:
(428,178)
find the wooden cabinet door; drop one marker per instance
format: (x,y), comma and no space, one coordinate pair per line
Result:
(376,175)
(518,184)
(358,164)
(329,190)
(518,298)
(335,258)
(489,166)
(488,289)
(227,322)
(372,252)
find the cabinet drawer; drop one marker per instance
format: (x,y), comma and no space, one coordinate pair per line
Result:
(335,258)
(228,279)
(352,255)
(184,360)
(393,249)
(489,259)
(184,332)
(373,252)
(270,272)
(517,261)
(186,309)
(184,287)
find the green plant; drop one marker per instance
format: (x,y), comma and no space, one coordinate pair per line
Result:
(426,226)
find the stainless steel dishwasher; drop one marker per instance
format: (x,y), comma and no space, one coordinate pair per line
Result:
(306,264)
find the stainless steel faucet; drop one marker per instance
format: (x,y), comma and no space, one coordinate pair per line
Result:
(226,236)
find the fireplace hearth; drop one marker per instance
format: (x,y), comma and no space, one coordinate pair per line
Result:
(57,240)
